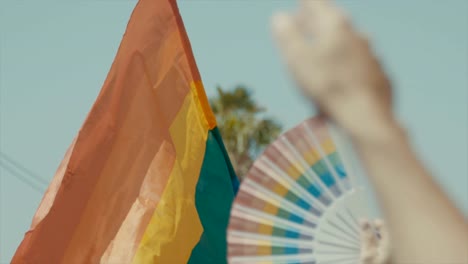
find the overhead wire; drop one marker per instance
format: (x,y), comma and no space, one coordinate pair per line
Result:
(22,173)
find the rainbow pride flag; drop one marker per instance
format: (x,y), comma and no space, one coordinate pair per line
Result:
(147,178)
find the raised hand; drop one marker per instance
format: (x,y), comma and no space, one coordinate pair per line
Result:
(335,66)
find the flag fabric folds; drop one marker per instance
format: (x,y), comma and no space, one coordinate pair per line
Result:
(147,178)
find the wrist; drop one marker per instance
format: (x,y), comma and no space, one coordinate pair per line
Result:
(378,133)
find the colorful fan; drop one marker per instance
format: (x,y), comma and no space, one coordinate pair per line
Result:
(298,204)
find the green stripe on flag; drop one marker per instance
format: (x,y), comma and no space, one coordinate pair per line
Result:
(215,192)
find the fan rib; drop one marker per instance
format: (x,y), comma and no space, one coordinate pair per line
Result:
(354,242)
(325,157)
(333,224)
(234,236)
(353,260)
(333,253)
(261,217)
(338,245)
(277,200)
(290,258)
(294,186)
(352,216)
(344,148)
(341,218)
(307,170)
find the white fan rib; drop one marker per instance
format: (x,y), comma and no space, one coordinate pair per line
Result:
(347,260)
(335,253)
(339,228)
(325,157)
(354,242)
(345,150)
(239,237)
(309,173)
(337,245)
(254,259)
(343,220)
(260,217)
(279,175)
(350,213)
(263,194)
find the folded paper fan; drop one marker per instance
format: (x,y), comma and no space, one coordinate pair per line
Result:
(298,203)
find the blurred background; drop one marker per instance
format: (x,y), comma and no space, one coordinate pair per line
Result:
(54,57)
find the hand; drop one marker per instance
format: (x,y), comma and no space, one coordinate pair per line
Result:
(374,242)
(337,69)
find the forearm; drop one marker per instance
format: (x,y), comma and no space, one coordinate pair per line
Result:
(424,225)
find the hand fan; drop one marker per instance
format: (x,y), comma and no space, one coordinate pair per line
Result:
(298,203)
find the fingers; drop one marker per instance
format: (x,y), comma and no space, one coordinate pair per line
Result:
(384,243)
(368,237)
(291,34)
(379,224)
(321,18)
(374,251)
(337,70)
(289,38)
(369,243)
(294,49)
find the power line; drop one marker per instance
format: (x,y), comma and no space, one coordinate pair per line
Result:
(17,170)
(34,185)
(23,169)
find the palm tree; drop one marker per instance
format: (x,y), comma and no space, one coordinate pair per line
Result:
(245,129)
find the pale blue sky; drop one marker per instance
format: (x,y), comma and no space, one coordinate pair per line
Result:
(55,55)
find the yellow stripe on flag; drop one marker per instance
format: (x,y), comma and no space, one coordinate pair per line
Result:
(175,227)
